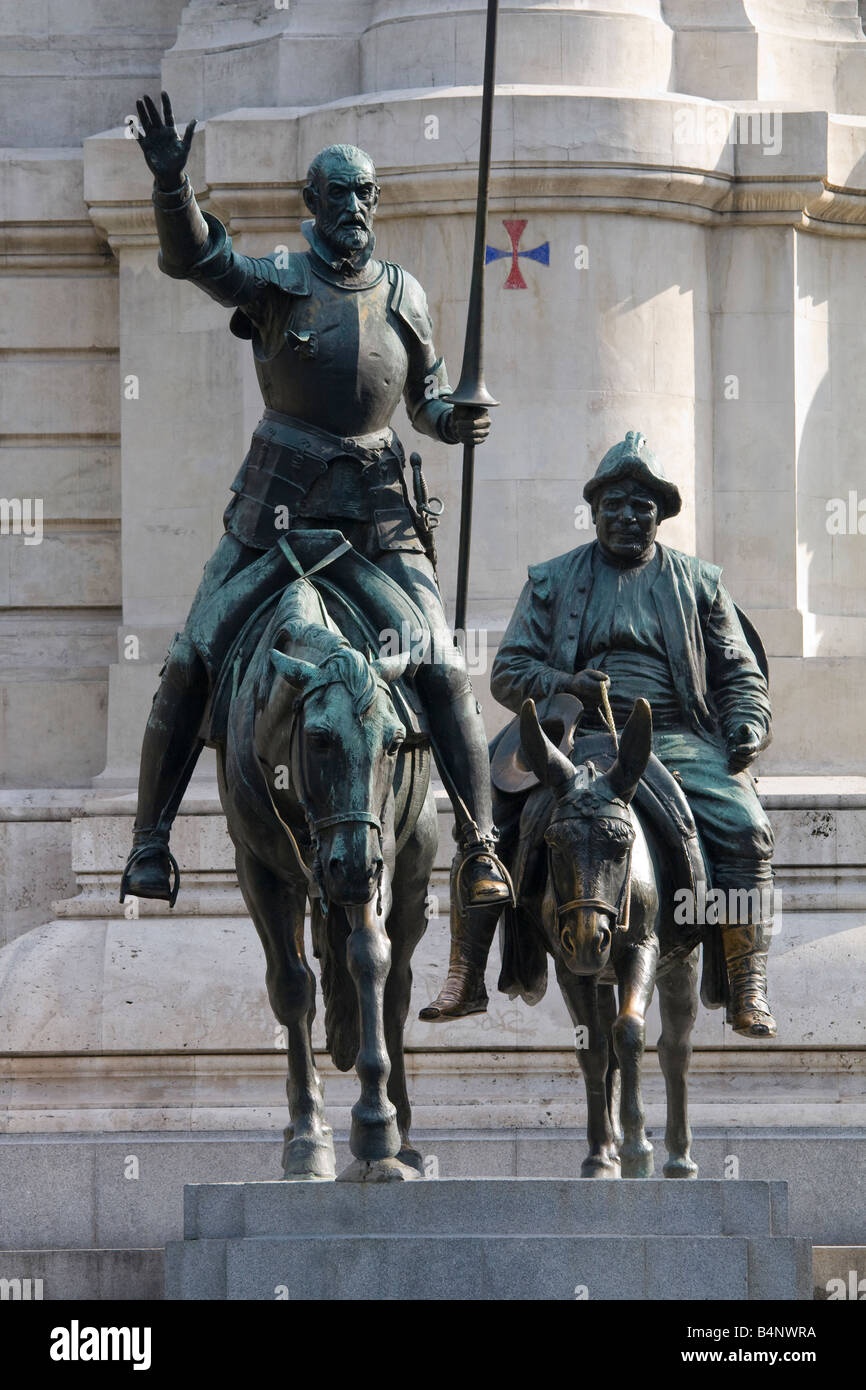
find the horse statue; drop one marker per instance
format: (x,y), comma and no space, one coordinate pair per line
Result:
(312,765)
(602,905)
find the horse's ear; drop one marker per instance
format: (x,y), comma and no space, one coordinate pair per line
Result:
(635,746)
(391,668)
(296,672)
(551,767)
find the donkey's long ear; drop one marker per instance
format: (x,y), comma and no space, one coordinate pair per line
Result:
(391,668)
(551,767)
(297,673)
(635,746)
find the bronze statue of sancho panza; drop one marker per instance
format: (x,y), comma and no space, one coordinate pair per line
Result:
(338,338)
(645,620)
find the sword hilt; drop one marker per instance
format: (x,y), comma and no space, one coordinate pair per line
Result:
(430,508)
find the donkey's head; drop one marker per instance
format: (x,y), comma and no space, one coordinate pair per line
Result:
(339,738)
(589,837)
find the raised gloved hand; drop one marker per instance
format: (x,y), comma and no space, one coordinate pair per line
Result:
(165,151)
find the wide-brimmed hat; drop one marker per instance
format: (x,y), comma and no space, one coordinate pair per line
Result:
(557,715)
(633,458)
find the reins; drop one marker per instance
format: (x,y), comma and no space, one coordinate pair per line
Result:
(621,910)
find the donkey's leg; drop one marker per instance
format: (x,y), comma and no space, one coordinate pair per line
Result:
(636,975)
(374,1137)
(407,922)
(607,1013)
(580,993)
(277,910)
(678,1000)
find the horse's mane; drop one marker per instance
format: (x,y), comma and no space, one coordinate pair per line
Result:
(350,667)
(292,632)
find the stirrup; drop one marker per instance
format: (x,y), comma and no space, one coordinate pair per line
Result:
(145,851)
(475,850)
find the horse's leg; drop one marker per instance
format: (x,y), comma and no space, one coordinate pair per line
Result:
(636,975)
(374,1138)
(678,1001)
(277,909)
(580,993)
(607,1013)
(407,923)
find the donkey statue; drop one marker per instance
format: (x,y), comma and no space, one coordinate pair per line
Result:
(602,907)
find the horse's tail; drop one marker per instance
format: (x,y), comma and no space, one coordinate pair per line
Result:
(342,1025)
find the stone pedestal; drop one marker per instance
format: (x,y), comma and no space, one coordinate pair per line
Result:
(488,1239)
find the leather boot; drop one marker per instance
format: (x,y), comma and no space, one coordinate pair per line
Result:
(464,991)
(460,748)
(472,928)
(169,753)
(746,948)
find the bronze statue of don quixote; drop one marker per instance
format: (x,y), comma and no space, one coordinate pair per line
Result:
(621,789)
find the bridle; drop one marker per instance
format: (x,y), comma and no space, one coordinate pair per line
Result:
(350,816)
(619,912)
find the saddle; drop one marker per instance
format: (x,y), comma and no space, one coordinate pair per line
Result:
(360,600)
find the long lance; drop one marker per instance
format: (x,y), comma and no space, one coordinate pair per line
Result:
(470,389)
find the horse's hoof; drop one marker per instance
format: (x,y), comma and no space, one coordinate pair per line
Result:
(378,1170)
(638,1164)
(680,1167)
(600,1168)
(412,1158)
(309,1160)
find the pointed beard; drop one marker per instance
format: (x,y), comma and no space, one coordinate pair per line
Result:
(351,243)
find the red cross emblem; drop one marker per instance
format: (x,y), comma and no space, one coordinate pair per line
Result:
(515,228)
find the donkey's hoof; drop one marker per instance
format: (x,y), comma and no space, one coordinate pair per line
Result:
(378,1170)
(597,1167)
(680,1166)
(637,1163)
(309,1160)
(412,1158)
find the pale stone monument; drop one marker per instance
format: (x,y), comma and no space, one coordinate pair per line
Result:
(676,235)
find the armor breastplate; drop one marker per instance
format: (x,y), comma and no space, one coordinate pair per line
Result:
(344,363)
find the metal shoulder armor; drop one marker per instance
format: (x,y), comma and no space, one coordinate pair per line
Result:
(293,278)
(409,302)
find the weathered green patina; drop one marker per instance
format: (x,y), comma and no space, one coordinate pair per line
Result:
(338,338)
(647,621)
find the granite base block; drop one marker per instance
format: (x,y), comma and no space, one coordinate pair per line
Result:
(488,1239)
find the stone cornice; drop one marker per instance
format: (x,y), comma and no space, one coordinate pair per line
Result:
(673,157)
(52,247)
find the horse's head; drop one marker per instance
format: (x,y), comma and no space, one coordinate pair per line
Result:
(589,837)
(340,742)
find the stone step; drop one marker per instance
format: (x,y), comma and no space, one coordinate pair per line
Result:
(499,1239)
(501,1268)
(125,1189)
(486,1206)
(73,1275)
